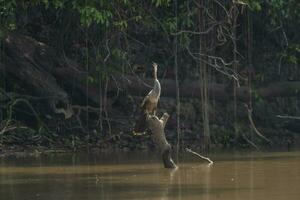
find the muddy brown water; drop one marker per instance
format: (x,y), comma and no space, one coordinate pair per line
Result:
(238,176)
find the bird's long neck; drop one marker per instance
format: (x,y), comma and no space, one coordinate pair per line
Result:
(155,93)
(155,74)
(156,88)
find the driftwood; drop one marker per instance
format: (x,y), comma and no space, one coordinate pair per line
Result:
(157,127)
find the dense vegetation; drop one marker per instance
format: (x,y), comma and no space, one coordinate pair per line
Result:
(242,57)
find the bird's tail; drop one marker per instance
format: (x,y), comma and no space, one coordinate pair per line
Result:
(140,125)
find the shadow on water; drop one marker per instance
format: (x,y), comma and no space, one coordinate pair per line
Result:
(118,191)
(120,185)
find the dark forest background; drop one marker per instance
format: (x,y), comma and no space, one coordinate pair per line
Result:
(73,73)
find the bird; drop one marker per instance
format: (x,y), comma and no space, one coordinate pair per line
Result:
(148,105)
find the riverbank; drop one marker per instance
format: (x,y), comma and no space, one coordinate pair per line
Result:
(135,144)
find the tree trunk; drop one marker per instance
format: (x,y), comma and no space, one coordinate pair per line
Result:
(157,127)
(203,77)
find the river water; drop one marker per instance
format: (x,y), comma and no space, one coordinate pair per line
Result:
(233,176)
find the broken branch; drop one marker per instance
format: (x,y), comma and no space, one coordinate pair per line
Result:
(200,156)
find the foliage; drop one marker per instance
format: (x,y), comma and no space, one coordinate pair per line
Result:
(7,14)
(225,137)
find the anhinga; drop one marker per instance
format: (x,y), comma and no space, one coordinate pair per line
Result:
(149,104)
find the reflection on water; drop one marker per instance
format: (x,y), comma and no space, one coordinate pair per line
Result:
(141,176)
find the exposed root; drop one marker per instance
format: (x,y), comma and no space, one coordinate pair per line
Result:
(6,125)
(253,125)
(250,142)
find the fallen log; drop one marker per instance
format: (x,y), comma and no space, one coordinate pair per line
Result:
(47,65)
(136,86)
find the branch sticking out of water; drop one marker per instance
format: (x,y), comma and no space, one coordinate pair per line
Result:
(200,156)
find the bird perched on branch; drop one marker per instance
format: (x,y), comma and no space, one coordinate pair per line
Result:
(148,105)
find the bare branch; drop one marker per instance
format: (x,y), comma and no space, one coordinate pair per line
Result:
(200,156)
(223,69)
(195,32)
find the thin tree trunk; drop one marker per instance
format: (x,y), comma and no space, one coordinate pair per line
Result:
(177,86)
(203,81)
(234,15)
(250,65)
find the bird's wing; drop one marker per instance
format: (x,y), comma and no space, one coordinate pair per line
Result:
(145,100)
